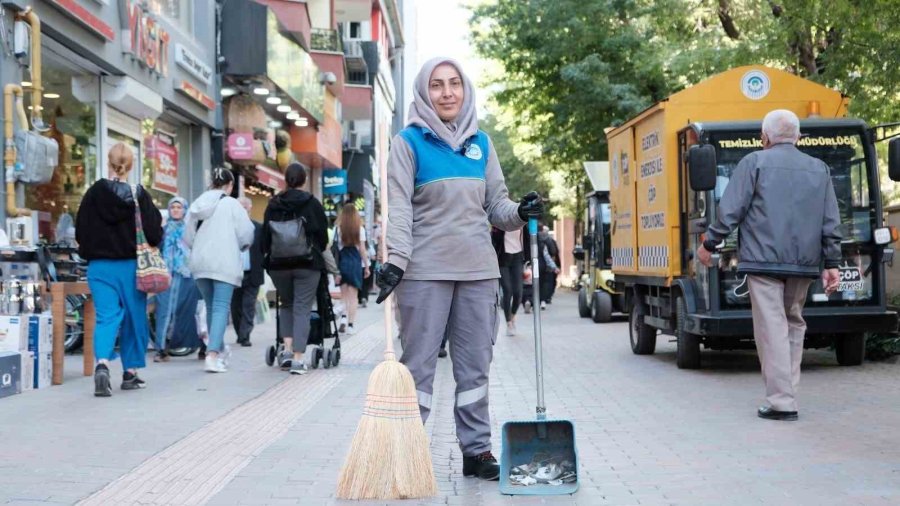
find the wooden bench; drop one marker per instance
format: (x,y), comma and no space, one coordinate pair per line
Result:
(58,292)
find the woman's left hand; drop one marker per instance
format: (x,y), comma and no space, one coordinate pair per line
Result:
(365,272)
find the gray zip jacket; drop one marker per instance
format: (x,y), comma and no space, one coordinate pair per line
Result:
(440,231)
(782,201)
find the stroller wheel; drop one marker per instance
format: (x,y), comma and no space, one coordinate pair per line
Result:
(270,355)
(326,359)
(315,357)
(335,357)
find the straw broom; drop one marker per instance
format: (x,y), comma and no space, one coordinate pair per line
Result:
(390,456)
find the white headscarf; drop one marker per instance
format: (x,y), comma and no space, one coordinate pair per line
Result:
(422,113)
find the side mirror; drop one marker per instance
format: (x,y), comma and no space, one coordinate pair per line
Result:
(578,252)
(894,159)
(702,167)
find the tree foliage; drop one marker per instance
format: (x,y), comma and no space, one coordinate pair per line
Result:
(570,68)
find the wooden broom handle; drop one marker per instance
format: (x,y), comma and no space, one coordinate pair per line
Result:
(388,303)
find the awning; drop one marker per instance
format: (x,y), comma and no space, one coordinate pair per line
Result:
(270,178)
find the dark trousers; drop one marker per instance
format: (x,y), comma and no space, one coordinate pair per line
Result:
(511,284)
(548,285)
(243,309)
(363,293)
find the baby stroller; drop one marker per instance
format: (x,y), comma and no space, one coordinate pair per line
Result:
(323,325)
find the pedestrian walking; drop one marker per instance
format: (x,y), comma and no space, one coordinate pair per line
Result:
(444,183)
(106,231)
(511,260)
(353,262)
(295,233)
(784,204)
(548,282)
(243,300)
(175,306)
(217,231)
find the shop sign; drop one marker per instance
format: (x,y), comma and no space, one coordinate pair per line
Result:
(334,181)
(163,155)
(196,95)
(240,146)
(143,36)
(76,11)
(268,177)
(189,62)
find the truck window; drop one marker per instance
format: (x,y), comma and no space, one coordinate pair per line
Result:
(843,151)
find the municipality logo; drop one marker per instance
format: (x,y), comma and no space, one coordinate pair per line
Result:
(755,84)
(474,152)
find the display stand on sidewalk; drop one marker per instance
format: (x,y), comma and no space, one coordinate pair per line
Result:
(58,292)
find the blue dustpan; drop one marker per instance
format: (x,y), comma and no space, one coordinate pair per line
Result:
(538,442)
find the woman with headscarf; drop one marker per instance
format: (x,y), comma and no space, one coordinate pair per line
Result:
(175,306)
(444,171)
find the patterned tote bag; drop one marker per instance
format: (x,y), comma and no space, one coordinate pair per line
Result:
(152,272)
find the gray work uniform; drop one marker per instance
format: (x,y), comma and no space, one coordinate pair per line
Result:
(438,232)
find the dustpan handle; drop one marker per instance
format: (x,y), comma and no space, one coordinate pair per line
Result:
(536,309)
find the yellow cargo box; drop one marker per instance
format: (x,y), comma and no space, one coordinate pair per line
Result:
(644,156)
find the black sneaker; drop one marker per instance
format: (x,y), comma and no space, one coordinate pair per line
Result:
(101,381)
(483,466)
(132,382)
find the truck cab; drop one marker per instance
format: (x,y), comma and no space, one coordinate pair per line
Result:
(598,297)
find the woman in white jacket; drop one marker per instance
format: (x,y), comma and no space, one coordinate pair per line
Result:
(217,229)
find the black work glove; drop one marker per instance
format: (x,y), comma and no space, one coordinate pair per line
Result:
(388,277)
(531,206)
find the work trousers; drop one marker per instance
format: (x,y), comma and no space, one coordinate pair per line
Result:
(297,293)
(779,331)
(467,311)
(120,307)
(243,309)
(511,284)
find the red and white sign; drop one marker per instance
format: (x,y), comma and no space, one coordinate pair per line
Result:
(198,96)
(270,178)
(79,13)
(240,146)
(163,154)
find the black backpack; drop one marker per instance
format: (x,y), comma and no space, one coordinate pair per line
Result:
(290,239)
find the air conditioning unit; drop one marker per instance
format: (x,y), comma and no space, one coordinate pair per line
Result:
(355,141)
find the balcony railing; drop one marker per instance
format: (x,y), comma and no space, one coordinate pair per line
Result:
(321,39)
(353,48)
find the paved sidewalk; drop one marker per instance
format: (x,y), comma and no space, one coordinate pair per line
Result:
(647,433)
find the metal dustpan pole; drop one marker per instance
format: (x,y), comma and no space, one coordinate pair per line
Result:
(541,409)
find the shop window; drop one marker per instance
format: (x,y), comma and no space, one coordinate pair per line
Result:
(73,124)
(178,12)
(159,168)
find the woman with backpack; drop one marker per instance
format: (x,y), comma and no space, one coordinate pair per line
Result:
(106,232)
(217,230)
(353,261)
(295,233)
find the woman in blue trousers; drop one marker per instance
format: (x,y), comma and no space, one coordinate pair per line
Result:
(217,229)
(107,236)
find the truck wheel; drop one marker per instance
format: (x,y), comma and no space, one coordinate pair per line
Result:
(643,336)
(850,348)
(687,355)
(584,310)
(601,307)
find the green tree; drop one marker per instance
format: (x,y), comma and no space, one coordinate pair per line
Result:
(521,176)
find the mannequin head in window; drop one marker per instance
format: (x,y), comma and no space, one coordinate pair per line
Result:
(120,160)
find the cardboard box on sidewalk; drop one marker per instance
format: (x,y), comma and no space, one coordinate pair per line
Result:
(43,370)
(27,371)
(10,373)
(13,333)
(40,333)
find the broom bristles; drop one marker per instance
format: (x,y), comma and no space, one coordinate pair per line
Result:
(390,456)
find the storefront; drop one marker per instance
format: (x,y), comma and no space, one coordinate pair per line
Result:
(279,105)
(138,72)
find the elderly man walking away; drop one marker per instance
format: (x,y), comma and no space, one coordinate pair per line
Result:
(784,203)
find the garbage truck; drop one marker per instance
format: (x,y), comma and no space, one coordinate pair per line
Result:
(598,296)
(669,166)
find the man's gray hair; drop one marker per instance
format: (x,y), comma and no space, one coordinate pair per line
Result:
(781,125)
